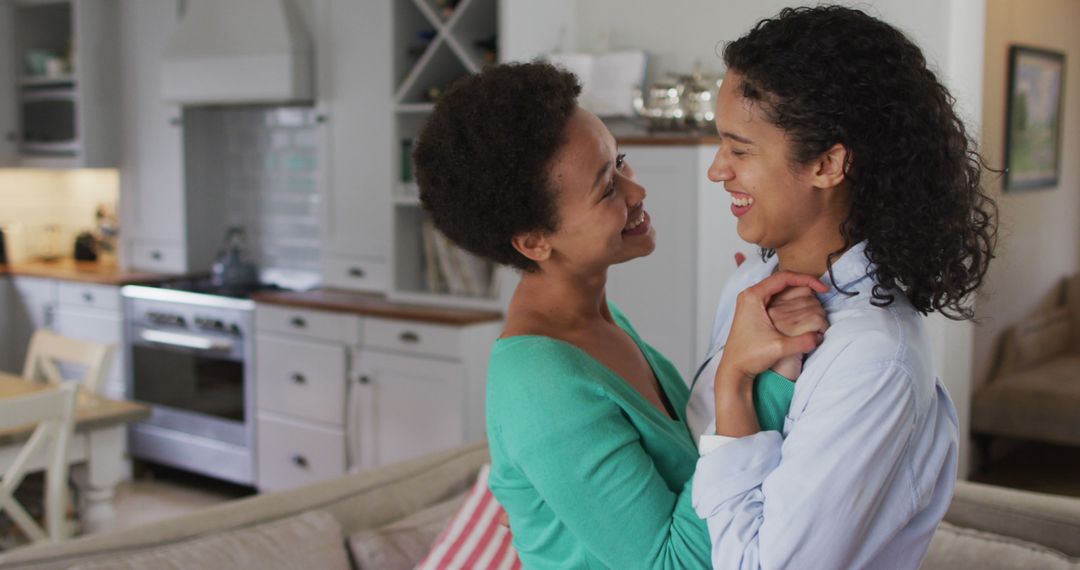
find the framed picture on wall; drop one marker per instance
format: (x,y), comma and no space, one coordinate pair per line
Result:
(1033,118)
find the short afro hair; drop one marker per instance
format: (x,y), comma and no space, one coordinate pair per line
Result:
(482,160)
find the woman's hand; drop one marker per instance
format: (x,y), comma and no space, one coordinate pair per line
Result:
(753,345)
(794,312)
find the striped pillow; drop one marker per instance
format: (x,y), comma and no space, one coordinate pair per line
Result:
(474,538)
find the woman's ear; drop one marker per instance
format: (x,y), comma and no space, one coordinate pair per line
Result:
(831,168)
(533,245)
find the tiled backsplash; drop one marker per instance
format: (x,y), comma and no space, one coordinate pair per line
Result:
(54,205)
(264,159)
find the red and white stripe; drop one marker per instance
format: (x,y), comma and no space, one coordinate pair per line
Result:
(474,539)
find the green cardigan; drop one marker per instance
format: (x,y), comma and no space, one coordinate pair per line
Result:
(590,472)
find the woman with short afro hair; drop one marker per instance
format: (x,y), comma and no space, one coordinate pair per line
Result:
(590,450)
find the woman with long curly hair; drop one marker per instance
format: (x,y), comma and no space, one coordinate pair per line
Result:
(845,159)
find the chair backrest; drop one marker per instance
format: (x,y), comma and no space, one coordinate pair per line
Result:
(53,411)
(48,349)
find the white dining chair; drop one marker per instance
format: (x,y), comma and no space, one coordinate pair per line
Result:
(48,350)
(53,411)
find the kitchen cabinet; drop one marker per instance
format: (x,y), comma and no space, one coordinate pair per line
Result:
(166,229)
(34,307)
(338,391)
(301,371)
(353,87)
(78,310)
(93,312)
(696,241)
(430,48)
(60,113)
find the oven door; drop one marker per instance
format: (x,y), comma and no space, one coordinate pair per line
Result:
(194,382)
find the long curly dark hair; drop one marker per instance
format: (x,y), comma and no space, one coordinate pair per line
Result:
(831,74)
(482,159)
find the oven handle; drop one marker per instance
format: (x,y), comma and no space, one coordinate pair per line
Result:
(186,341)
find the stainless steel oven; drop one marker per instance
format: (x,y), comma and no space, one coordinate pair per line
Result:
(190,359)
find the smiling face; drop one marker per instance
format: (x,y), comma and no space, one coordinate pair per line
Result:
(774,200)
(601,208)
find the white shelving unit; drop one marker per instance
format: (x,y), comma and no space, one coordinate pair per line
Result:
(432,47)
(65,119)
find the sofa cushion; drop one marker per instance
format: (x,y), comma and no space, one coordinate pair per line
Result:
(475,537)
(958,547)
(303,542)
(402,545)
(1039,403)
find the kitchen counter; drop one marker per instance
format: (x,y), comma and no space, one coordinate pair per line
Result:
(82,271)
(374,305)
(629,132)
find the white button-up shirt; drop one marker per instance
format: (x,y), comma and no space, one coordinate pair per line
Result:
(866,464)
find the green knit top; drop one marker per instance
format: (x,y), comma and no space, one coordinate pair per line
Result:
(591,473)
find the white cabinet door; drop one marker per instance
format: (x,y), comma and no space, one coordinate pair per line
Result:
(152,176)
(33,308)
(8,108)
(656,292)
(98,326)
(354,96)
(405,407)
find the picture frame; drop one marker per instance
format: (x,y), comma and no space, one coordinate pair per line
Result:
(1033,118)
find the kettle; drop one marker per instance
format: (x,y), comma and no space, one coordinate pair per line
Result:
(683,102)
(232,270)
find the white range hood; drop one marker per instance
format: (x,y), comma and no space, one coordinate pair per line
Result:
(238,51)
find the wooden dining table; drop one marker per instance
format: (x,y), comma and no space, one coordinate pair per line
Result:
(97,447)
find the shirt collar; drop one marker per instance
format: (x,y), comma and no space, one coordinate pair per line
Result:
(847,272)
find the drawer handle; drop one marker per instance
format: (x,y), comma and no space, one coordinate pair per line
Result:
(300,461)
(155,255)
(299,378)
(356,272)
(298,322)
(409,337)
(365,380)
(88,297)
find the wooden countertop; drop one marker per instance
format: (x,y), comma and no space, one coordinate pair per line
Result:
(375,306)
(82,271)
(91,411)
(634,133)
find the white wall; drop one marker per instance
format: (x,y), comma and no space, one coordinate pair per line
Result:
(35,199)
(678,33)
(1040,233)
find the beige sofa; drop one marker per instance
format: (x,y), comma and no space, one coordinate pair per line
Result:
(986,527)
(1035,390)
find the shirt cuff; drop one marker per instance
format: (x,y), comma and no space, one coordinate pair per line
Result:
(708,443)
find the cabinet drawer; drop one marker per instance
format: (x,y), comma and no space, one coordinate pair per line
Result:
(163,258)
(106,297)
(413,338)
(38,288)
(356,273)
(302,379)
(322,325)
(292,454)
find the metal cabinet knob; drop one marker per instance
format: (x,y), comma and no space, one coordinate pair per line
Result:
(175,121)
(88,297)
(298,322)
(356,272)
(300,461)
(299,378)
(409,337)
(365,380)
(155,255)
